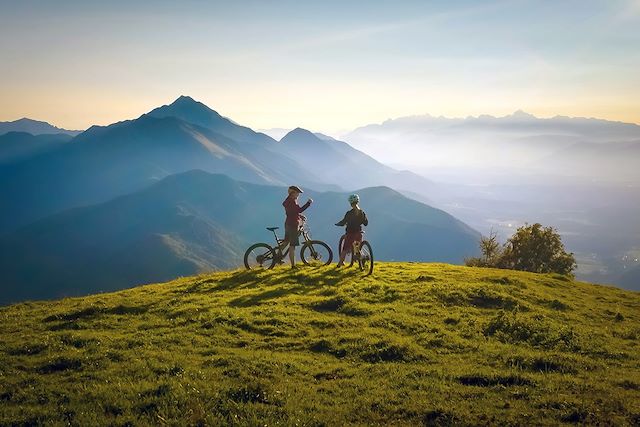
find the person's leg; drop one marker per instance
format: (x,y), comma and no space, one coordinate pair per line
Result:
(346,248)
(292,256)
(282,247)
(292,234)
(343,255)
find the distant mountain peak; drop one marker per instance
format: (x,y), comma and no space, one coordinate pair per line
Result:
(186,100)
(189,110)
(195,112)
(299,133)
(520,114)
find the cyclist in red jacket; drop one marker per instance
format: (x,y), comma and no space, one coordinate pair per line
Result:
(292,222)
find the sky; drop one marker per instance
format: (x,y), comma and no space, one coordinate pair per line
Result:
(327,66)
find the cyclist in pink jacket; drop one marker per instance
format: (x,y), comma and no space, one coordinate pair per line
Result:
(292,222)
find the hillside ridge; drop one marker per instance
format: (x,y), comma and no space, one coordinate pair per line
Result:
(433,344)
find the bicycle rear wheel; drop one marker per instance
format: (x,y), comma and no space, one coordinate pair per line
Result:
(349,253)
(365,260)
(316,253)
(259,256)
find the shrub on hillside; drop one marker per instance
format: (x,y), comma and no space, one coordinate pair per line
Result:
(491,252)
(531,248)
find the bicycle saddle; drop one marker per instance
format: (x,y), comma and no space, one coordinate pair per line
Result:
(272,228)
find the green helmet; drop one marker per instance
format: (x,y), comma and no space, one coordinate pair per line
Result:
(354,198)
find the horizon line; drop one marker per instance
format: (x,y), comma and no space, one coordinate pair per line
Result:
(517,112)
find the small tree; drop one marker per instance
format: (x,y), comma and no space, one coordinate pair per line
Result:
(538,249)
(491,252)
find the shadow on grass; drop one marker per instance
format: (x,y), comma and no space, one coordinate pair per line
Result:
(297,282)
(29,349)
(94,311)
(237,280)
(257,299)
(490,381)
(60,365)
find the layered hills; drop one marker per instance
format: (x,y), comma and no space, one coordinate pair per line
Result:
(195,222)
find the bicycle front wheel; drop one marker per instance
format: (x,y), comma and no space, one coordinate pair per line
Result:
(259,257)
(316,253)
(366,258)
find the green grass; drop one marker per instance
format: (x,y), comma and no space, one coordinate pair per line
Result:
(414,344)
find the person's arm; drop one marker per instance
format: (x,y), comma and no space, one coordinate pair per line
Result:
(305,206)
(343,222)
(365,221)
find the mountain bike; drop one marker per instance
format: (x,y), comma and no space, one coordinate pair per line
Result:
(314,253)
(361,253)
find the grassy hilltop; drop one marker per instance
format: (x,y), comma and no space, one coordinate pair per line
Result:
(415,343)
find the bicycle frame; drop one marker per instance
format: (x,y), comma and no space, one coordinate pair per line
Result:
(355,246)
(277,249)
(312,252)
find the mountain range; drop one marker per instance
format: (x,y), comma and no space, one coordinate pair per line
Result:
(125,200)
(50,176)
(194,222)
(520,142)
(34,127)
(108,161)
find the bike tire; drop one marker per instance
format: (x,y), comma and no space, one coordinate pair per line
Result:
(366,258)
(259,256)
(316,253)
(349,254)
